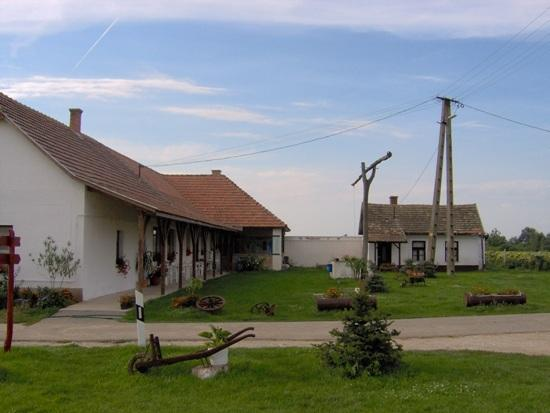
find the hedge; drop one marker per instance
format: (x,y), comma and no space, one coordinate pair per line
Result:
(526,260)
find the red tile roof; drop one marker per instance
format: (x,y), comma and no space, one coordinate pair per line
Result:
(112,173)
(220,199)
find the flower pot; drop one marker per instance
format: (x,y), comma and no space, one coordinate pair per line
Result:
(221,358)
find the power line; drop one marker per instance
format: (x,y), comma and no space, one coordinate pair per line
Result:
(517,122)
(478,69)
(278,138)
(304,142)
(419,176)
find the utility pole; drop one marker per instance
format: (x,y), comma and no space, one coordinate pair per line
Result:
(450,196)
(444,146)
(366,187)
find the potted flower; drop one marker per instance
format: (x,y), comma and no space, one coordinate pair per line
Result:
(126,301)
(122,266)
(482,295)
(333,299)
(214,338)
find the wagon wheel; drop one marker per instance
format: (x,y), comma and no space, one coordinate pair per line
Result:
(137,358)
(210,303)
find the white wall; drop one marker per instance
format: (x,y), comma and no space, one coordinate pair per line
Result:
(39,199)
(277,259)
(103,217)
(313,251)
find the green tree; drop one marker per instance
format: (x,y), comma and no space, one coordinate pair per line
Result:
(496,240)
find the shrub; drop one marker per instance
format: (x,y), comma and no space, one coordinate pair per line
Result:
(193,288)
(357,265)
(51,298)
(376,284)
(60,265)
(526,260)
(250,263)
(365,345)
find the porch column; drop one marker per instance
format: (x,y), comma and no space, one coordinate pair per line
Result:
(163,225)
(180,229)
(140,283)
(194,240)
(205,253)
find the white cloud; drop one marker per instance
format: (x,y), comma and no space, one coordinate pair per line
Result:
(434,17)
(102,88)
(310,104)
(224,113)
(429,78)
(240,135)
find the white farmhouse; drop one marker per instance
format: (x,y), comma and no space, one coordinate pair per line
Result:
(398,232)
(56,181)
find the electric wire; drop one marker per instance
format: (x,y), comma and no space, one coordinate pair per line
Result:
(478,68)
(517,122)
(419,176)
(279,138)
(300,143)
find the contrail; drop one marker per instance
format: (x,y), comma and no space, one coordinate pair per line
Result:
(92,47)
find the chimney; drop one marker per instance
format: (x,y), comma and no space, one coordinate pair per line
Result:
(393,200)
(76,119)
(216,172)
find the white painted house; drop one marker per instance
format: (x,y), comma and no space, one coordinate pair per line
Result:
(398,232)
(56,181)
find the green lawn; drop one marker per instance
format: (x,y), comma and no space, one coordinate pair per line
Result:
(293,291)
(28,315)
(72,379)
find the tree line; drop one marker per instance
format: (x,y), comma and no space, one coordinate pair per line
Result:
(528,240)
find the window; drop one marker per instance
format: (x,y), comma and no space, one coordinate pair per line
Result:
(119,245)
(456,251)
(419,251)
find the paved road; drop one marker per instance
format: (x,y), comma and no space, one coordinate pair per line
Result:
(525,333)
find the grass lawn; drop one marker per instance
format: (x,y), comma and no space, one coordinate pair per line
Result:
(72,379)
(293,291)
(29,315)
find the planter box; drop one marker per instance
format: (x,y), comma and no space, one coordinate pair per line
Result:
(340,303)
(488,299)
(219,359)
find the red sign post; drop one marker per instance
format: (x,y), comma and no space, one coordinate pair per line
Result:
(9,258)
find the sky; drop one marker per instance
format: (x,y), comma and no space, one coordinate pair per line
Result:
(170,82)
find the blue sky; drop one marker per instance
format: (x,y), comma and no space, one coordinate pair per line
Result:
(187,80)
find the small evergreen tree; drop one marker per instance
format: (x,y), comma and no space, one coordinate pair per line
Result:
(376,284)
(365,345)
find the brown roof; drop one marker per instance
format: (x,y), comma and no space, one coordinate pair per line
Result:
(386,221)
(110,172)
(220,199)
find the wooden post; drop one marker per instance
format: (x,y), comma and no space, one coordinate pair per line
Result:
(205,253)
(450,194)
(163,226)
(140,283)
(365,207)
(432,235)
(180,229)
(194,253)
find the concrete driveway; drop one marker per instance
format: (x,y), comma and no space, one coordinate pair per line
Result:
(525,333)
